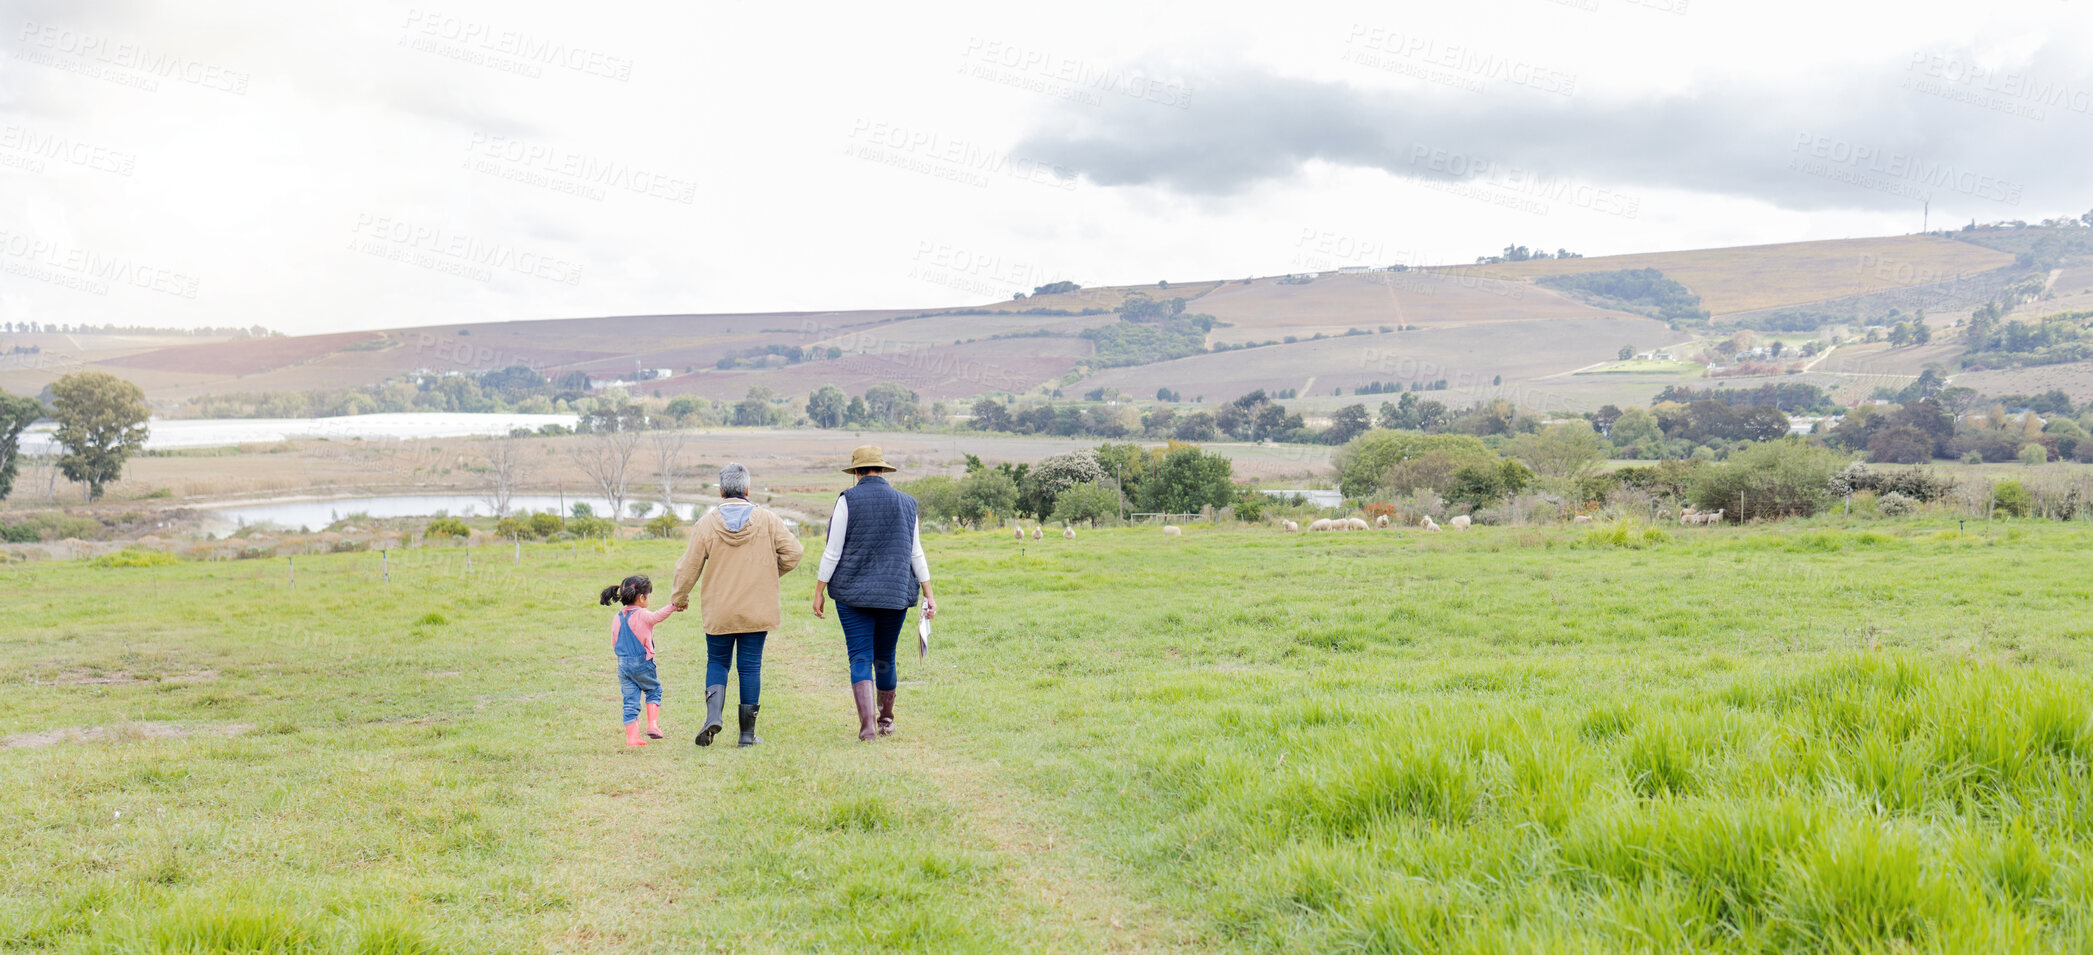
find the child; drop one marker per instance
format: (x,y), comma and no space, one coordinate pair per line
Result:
(632,639)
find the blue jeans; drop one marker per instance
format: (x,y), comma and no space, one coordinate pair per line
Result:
(869,634)
(719,647)
(637,681)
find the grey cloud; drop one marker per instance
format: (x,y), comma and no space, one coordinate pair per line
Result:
(1852,141)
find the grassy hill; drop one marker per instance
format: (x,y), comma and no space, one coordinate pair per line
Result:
(1487,329)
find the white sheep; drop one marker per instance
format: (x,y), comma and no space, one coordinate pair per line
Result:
(1358,523)
(1172,530)
(1319,524)
(1291,527)
(1715,518)
(1460,522)
(1429,524)
(1068,533)
(1689,515)
(1381,521)
(1038,534)
(1020,533)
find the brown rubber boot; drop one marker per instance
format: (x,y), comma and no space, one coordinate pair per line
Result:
(886,712)
(868,712)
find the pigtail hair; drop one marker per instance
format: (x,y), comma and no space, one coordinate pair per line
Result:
(609,594)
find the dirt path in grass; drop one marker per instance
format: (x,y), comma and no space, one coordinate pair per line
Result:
(1094,909)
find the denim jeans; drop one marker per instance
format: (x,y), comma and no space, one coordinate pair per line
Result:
(748,661)
(869,634)
(637,682)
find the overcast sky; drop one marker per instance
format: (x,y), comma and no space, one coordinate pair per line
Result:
(317,167)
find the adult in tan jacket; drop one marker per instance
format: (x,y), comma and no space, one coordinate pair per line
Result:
(739,551)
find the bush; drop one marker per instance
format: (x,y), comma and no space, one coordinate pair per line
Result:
(513,529)
(447,527)
(664,525)
(1090,503)
(1894,504)
(2011,498)
(49,526)
(1784,478)
(546,525)
(135,557)
(2032,454)
(592,527)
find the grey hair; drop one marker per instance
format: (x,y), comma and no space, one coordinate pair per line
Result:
(734,481)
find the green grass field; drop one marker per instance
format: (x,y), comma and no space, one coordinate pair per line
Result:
(1807,738)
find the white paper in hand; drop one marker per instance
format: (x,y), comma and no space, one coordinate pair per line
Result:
(922,638)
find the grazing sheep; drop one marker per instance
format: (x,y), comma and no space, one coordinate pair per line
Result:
(1460,522)
(1581,519)
(1172,530)
(1381,521)
(1291,527)
(1429,524)
(1068,533)
(1319,524)
(1358,523)
(1038,534)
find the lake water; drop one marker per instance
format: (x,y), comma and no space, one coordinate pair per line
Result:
(221,432)
(315,513)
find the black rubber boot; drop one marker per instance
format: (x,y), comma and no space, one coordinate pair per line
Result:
(715,701)
(748,724)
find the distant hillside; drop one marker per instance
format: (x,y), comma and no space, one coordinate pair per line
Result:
(1484,330)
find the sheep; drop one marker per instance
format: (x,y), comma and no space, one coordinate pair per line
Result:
(1038,534)
(1581,519)
(1429,524)
(1068,533)
(1715,518)
(1358,523)
(1291,527)
(1172,530)
(1690,515)
(1460,522)
(1381,521)
(1020,533)
(1319,524)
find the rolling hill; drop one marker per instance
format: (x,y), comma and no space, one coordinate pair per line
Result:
(1487,330)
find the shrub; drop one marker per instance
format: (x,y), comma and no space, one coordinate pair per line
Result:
(447,527)
(596,527)
(135,557)
(513,528)
(1776,479)
(1894,504)
(546,525)
(664,525)
(2032,454)
(1092,503)
(2011,498)
(49,526)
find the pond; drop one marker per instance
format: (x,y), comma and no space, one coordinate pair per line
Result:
(173,433)
(315,513)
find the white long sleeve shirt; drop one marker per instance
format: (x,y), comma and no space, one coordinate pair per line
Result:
(839,523)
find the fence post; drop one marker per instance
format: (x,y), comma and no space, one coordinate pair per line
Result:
(385,564)
(291,563)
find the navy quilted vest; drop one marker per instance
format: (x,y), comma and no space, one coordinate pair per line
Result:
(874,572)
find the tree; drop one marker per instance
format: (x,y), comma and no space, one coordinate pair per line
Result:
(16,415)
(826,405)
(1045,483)
(991,415)
(1086,503)
(1349,422)
(987,493)
(891,403)
(753,411)
(101,423)
(1921,333)
(607,460)
(1627,352)
(1559,451)
(668,454)
(1187,480)
(1603,419)
(506,470)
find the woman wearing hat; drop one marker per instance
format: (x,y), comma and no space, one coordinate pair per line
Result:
(874,567)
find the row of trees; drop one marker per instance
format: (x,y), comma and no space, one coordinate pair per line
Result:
(1092,486)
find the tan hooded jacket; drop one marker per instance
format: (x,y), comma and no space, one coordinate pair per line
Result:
(740,567)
